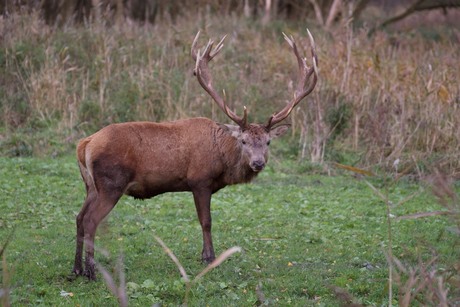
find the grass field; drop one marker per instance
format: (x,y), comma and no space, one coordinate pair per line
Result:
(305,239)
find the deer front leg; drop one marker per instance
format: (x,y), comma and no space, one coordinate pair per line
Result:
(203,208)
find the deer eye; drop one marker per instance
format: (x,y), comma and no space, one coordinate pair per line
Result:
(243,142)
(268,143)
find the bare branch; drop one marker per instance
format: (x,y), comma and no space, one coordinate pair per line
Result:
(333,11)
(423,214)
(174,259)
(218,261)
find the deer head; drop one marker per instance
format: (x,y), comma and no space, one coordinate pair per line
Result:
(253,138)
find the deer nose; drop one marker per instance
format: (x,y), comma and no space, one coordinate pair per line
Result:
(257,165)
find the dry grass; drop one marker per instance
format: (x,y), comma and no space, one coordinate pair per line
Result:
(403,91)
(398,90)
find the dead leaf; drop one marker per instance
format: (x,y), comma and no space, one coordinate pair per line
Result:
(354,169)
(443,94)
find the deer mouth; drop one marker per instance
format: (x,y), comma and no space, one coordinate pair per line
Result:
(257,166)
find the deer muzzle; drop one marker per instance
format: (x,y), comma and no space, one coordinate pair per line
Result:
(257,165)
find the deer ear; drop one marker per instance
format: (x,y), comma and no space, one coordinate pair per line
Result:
(233,130)
(278,131)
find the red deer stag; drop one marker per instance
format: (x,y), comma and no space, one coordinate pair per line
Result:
(144,159)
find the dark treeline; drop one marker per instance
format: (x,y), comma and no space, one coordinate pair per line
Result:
(326,12)
(63,11)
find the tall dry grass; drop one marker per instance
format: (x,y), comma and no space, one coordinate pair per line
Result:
(403,91)
(391,97)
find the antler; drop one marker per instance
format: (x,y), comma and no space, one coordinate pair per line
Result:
(305,73)
(203,75)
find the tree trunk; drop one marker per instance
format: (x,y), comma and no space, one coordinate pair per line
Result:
(333,12)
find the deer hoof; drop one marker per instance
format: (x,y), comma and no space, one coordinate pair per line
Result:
(90,274)
(72,276)
(208,260)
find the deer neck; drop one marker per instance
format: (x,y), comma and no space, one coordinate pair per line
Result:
(235,167)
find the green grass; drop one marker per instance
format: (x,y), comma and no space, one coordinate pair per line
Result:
(302,235)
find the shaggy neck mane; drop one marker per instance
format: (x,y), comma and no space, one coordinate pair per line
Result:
(236,168)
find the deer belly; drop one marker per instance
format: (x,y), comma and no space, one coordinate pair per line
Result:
(151,188)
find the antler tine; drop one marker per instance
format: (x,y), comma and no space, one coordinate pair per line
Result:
(218,47)
(245,116)
(204,77)
(301,91)
(290,40)
(208,48)
(302,62)
(313,52)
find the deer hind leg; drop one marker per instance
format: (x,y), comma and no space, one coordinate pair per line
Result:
(91,195)
(105,183)
(95,213)
(90,198)
(203,208)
